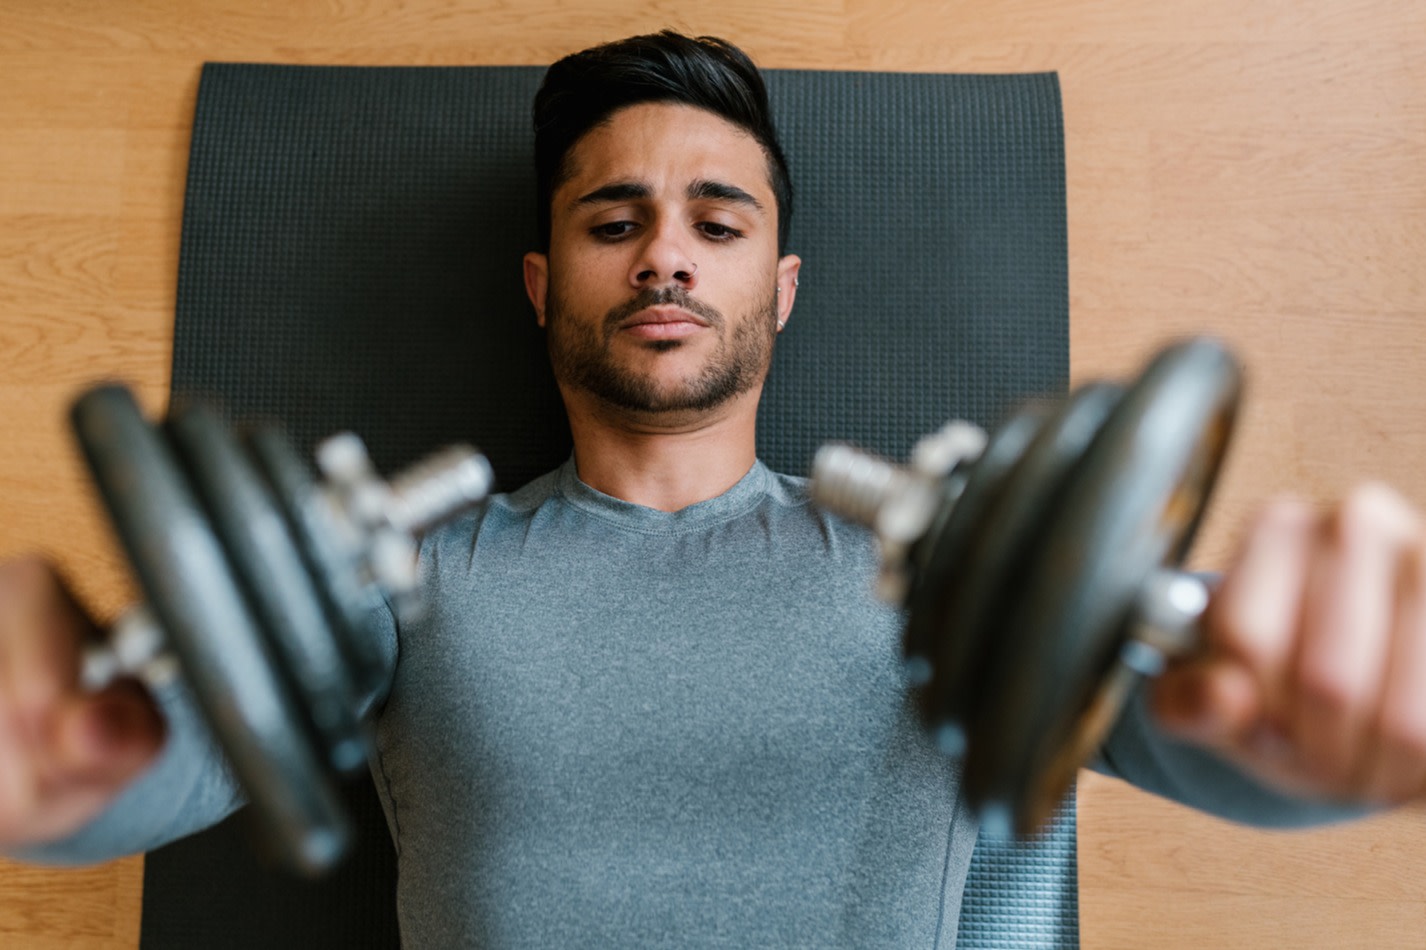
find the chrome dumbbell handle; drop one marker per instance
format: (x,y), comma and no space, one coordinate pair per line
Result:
(135,648)
(1166,624)
(899,503)
(439,486)
(381,519)
(1167,620)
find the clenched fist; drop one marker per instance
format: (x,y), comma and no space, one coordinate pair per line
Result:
(1313,675)
(64,753)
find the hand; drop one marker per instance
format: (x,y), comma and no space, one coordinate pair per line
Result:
(1314,673)
(64,753)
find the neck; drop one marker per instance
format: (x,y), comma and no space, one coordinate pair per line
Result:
(663,461)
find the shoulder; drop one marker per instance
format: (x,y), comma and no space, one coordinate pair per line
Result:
(499,511)
(530,496)
(788,490)
(791,496)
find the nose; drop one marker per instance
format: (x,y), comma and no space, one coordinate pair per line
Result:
(663,259)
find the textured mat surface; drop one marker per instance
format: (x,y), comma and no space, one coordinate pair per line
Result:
(351,259)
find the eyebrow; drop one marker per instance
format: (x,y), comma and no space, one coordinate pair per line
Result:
(615,192)
(702,189)
(722,191)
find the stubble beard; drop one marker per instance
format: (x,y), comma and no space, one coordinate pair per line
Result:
(581,353)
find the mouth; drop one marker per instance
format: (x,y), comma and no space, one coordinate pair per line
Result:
(663,323)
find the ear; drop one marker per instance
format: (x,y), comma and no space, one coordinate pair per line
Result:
(537,283)
(787,270)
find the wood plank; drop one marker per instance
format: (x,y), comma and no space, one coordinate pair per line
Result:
(1256,168)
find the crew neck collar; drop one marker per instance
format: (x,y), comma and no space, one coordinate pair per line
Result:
(741,497)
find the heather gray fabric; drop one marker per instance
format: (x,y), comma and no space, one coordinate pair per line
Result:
(622,727)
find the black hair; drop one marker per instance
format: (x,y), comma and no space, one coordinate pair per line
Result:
(584,89)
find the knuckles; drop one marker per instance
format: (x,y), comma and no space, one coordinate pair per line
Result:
(1328,688)
(38,627)
(1285,513)
(1369,514)
(1403,732)
(1252,620)
(26,582)
(21,574)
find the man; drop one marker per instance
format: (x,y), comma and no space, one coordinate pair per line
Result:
(652,701)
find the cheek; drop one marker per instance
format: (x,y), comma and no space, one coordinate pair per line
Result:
(750,299)
(589,274)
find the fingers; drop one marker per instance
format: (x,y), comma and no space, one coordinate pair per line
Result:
(41,633)
(107,738)
(1314,665)
(63,753)
(1255,616)
(1347,633)
(1395,766)
(91,749)
(1210,701)
(1224,697)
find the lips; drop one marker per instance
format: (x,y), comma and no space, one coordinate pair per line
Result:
(662,316)
(663,323)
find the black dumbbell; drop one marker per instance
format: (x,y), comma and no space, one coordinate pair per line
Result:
(262,582)
(1039,566)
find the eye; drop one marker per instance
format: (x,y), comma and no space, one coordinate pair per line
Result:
(719,232)
(612,230)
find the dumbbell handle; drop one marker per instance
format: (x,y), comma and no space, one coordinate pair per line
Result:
(899,504)
(428,492)
(136,647)
(1167,620)
(1166,625)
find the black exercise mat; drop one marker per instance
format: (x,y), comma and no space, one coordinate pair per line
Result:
(351,259)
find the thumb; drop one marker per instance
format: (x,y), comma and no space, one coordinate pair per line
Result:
(1213,702)
(108,738)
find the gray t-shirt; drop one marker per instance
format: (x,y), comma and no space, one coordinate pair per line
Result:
(615,726)
(618,725)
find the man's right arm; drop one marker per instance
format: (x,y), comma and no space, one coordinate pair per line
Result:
(88,776)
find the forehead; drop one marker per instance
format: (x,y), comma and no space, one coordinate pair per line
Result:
(667,145)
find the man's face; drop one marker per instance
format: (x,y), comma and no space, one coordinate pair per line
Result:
(662,290)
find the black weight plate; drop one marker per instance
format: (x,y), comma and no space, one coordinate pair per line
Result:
(260,547)
(990,567)
(351,606)
(1129,508)
(939,557)
(180,563)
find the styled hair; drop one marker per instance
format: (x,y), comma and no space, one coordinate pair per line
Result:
(585,89)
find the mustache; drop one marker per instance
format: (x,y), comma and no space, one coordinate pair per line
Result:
(661,297)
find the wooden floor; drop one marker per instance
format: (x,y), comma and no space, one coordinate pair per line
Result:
(1253,168)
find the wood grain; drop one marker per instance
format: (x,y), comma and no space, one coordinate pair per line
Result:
(79,909)
(1251,168)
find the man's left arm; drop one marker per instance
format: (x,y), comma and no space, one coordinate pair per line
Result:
(1142,752)
(1308,699)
